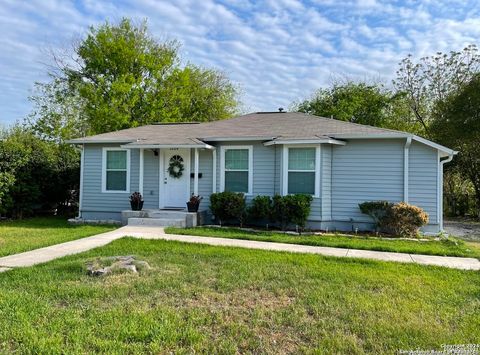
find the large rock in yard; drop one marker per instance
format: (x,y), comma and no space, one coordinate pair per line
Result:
(103,266)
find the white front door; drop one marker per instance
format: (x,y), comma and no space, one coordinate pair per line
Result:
(175,191)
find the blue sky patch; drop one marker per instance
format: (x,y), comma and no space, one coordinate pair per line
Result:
(277,51)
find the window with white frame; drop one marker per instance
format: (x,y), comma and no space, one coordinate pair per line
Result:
(236,167)
(116,170)
(301,171)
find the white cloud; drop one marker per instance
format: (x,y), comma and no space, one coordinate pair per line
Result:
(277,50)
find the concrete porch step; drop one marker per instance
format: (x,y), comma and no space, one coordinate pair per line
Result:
(189,219)
(158,222)
(167,214)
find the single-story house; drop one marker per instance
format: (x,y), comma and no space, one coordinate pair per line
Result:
(340,164)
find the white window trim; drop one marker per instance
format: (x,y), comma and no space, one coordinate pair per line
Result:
(104,171)
(285,170)
(250,166)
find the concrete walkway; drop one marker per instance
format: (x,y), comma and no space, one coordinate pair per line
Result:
(77,246)
(42,255)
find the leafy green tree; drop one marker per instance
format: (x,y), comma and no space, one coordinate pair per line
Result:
(58,111)
(360,102)
(432,79)
(457,125)
(121,77)
(12,157)
(35,174)
(353,102)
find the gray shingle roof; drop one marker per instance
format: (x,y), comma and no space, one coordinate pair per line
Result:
(258,126)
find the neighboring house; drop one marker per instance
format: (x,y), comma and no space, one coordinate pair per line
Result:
(340,164)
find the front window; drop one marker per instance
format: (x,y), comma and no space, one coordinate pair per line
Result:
(116,170)
(237,169)
(301,171)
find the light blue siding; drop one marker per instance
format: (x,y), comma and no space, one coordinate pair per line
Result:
(265,169)
(150,179)
(423,170)
(93,200)
(365,170)
(205,183)
(362,170)
(316,209)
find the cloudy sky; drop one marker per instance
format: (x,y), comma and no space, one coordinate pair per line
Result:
(278,51)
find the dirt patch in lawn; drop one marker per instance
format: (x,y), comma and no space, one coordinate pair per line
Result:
(253,311)
(240,300)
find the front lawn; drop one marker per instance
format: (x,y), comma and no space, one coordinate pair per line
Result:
(21,235)
(205,299)
(450,247)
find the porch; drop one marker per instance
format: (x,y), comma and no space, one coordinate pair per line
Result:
(164,218)
(168,176)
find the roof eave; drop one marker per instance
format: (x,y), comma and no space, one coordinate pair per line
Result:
(159,146)
(437,146)
(304,141)
(99,141)
(370,135)
(387,135)
(236,139)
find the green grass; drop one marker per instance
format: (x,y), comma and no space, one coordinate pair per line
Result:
(205,299)
(21,235)
(450,247)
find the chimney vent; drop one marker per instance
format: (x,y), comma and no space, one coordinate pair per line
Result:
(280,109)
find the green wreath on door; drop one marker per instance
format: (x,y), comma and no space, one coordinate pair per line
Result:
(175,166)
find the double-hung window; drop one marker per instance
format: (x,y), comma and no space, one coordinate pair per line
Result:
(236,166)
(116,175)
(302,170)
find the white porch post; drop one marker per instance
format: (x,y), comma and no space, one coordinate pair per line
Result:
(284,170)
(140,173)
(195,175)
(214,171)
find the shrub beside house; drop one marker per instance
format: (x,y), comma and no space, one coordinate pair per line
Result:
(283,211)
(401,219)
(292,211)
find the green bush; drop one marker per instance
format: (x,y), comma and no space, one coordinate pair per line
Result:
(260,209)
(291,209)
(400,219)
(377,210)
(405,220)
(284,210)
(227,205)
(279,211)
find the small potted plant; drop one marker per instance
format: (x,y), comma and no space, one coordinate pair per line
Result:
(194,203)
(136,201)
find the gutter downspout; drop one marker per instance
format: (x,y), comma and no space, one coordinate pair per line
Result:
(141,171)
(440,192)
(406,152)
